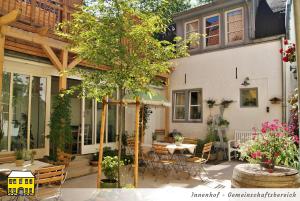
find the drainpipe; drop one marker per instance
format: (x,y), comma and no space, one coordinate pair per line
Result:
(297,29)
(283,84)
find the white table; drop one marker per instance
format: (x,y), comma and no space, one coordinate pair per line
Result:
(173,147)
(27,166)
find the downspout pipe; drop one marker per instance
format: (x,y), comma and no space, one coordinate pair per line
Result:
(283,84)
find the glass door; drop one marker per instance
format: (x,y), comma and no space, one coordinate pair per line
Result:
(24,115)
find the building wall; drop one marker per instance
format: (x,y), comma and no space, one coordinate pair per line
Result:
(215,73)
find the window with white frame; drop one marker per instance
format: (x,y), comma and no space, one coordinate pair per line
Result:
(179,105)
(187,105)
(212,30)
(192,27)
(195,99)
(234,25)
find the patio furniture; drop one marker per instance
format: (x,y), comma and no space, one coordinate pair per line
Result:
(195,164)
(7,158)
(164,162)
(49,181)
(130,146)
(240,137)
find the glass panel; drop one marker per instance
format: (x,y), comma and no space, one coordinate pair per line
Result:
(249,98)
(236,36)
(99,112)
(211,21)
(20,111)
(5,112)
(179,112)
(234,15)
(212,40)
(195,112)
(38,112)
(180,98)
(235,26)
(75,103)
(212,31)
(195,98)
(88,126)
(192,27)
(112,123)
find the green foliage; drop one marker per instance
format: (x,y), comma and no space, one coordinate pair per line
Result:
(110,167)
(145,113)
(119,34)
(178,138)
(199,147)
(19,154)
(60,125)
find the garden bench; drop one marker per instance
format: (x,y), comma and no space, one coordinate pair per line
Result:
(240,137)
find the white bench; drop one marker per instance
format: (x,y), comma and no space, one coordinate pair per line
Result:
(240,137)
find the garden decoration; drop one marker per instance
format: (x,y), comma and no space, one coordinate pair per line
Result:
(275,146)
(211,102)
(275,100)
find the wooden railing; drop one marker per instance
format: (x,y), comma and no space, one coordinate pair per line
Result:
(40,13)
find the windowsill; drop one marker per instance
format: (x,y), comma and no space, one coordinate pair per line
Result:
(187,121)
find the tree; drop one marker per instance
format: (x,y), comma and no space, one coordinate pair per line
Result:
(119,34)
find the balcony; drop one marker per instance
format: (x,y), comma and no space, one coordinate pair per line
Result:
(39,13)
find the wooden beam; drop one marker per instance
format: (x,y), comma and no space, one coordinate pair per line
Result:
(62,82)
(10,17)
(33,37)
(2,42)
(102,132)
(52,56)
(167,110)
(64,59)
(136,143)
(74,63)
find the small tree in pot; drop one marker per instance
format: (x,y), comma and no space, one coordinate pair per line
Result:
(110,169)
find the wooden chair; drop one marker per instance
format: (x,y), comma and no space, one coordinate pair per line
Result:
(7,158)
(49,181)
(164,162)
(130,146)
(196,163)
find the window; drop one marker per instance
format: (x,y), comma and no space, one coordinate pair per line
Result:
(191,28)
(20,181)
(187,105)
(30,190)
(212,30)
(179,108)
(234,25)
(195,105)
(249,97)
(10,181)
(26,181)
(15,181)
(30,181)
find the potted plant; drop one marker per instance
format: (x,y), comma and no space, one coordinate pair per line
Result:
(178,139)
(275,100)
(94,160)
(19,157)
(211,102)
(32,155)
(223,123)
(225,103)
(274,146)
(110,169)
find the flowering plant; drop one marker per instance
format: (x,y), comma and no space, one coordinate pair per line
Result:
(288,55)
(273,146)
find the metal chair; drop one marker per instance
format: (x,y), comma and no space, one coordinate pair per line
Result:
(196,163)
(164,162)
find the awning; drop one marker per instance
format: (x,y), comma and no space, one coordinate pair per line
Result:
(154,99)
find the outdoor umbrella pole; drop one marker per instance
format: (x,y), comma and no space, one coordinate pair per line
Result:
(136,144)
(102,129)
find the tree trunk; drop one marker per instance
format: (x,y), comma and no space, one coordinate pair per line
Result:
(120,138)
(102,129)
(136,144)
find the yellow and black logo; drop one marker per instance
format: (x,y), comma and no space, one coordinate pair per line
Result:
(20,183)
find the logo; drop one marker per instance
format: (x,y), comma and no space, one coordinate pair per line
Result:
(20,183)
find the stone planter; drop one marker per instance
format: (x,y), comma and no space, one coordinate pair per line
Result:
(252,176)
(107,183)
(94,163)
(213,157)
(220,155)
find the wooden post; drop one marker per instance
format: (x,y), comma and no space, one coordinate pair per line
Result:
(136,144)
(102,129)
(2,41)
(297,27)
(167,110)
(63,76)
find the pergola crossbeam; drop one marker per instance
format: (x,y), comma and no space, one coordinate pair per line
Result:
(52,56)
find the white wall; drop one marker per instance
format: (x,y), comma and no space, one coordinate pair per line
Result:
(214,72)
(156,121)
